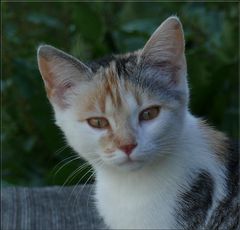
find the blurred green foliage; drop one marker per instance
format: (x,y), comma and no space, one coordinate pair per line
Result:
(29,137)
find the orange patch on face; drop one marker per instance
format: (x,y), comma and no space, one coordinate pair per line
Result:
(107,86)
(111,86)
(123,140)
(114,139)
(107,142)
(87,100)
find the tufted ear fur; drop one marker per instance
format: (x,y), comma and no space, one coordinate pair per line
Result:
(61,73)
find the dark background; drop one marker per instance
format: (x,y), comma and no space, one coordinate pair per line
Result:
(32,147)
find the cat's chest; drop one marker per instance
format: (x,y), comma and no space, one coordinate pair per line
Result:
(137,207)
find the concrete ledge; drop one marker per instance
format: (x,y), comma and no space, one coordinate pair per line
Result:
(49,208)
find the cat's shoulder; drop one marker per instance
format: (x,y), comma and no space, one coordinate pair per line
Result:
(226,214)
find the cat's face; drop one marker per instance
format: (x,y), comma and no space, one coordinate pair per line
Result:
(126,112)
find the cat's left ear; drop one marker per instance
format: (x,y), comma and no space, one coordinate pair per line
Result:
(61,74)
(166,45)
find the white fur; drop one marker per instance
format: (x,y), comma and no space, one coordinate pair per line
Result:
(142,192)
(171,151)
(145,198)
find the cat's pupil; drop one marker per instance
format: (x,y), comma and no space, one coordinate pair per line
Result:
(146,115)
(100,123)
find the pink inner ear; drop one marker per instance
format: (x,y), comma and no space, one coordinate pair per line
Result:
(68,85)
(166,44)
(55,90)
(63,87)
(58,94)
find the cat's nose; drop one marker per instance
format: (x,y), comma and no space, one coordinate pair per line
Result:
(128,148)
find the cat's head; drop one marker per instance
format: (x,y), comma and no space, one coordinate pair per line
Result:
(125,112)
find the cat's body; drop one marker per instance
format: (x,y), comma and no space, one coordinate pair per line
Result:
(157,166)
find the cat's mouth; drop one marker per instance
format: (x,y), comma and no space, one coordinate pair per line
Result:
(131,164)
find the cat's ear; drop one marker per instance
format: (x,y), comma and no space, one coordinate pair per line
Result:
(61,73)
(166,45)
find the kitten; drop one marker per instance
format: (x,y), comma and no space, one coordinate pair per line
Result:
(157,166)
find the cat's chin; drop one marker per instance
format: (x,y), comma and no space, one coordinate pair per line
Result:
(130,165)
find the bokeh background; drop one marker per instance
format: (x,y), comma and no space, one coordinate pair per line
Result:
(33,149)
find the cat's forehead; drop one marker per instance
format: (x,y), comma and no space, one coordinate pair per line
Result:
(113,90)
(110,93)
(122,85)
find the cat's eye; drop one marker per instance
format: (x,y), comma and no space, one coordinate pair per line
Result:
(149,113)
(98,122)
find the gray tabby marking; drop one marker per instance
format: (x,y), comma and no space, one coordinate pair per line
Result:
(194,204)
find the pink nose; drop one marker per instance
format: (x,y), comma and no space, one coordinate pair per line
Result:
(127,148)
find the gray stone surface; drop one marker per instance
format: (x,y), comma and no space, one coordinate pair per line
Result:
(49,208)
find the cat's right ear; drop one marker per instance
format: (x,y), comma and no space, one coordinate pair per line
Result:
(61,73)
(166,45)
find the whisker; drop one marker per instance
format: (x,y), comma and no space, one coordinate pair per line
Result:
(79,169)
(66,159)
(74,173)
(74,189)
(90,192)
(65,164)
(97,161)
(60,150)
